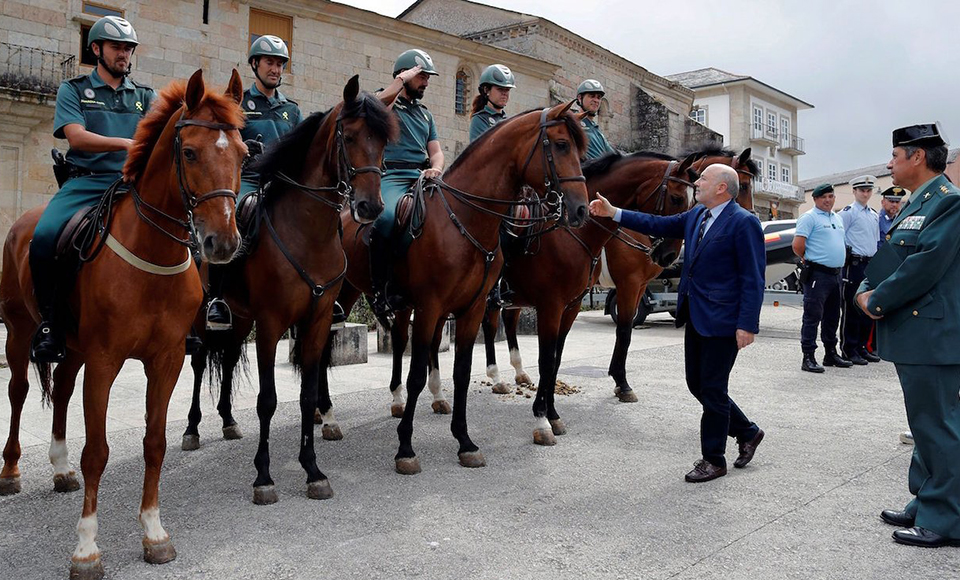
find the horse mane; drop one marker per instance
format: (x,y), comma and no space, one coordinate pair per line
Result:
(711,150)
(224,109)
(569,120)
(602,164)
(289,153)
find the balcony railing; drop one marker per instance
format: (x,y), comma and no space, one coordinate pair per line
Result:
(764,133)
(34,70)
(790,143)
(778,189)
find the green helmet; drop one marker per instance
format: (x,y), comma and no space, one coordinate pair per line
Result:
(590,86)
(112,28)
(268,45)
(412,58)
(497,75)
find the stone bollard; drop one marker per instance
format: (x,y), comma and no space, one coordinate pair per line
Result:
(385,342)
(349,345)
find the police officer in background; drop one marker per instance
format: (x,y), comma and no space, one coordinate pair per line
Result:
(589,95)
(495,84)
(912,289)
(890,204)
(861,233)
(416,151)
(269,115)
(97,114)
(819,242)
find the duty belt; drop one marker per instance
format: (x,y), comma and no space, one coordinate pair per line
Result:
(822,268)
(389,165)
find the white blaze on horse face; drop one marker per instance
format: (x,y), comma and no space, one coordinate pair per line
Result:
(152,530)
(222,142)
(87,531)
(58,457)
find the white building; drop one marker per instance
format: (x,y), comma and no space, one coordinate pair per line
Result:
(750,113)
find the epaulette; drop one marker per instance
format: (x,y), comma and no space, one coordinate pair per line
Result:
(140,85)
(948,190)
(871,209)
(289,100)
(846,208)
(77,79)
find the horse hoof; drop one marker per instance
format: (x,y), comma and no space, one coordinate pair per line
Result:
(408,465)
(472,459)
(544,437)
(396,410)
(65,482)
(265,495)
(317,417)
(627,396)
(88,569)
(441,407)
(558,427)
(332,432)
(319,489)
(158,552)
(501,389)
(232,432)
(524,379)
(9,485)
(190,443)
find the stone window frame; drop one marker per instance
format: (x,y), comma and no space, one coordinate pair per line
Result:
(772,115)
(772,167)
(699,109)
(462,104)
(85,54)
(758,120)
(785,173)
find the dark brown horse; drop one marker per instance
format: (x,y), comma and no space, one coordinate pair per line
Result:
(328,163)
(453,264)
(631,270)
(136,298)
(564,264)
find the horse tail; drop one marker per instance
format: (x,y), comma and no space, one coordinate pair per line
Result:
(45,374)
(296,351)
(225,353)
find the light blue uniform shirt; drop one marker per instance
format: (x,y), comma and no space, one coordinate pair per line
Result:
(825,239)
(862,229)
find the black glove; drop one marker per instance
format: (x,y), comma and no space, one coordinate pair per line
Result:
(254,146)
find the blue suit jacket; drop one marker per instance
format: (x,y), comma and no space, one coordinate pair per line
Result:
(721,285)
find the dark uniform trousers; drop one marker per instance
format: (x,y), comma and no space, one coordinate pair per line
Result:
(708,361)
(855,324)
(821,306)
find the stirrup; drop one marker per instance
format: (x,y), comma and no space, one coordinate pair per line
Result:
(213,324)
(339,317)
(382,311)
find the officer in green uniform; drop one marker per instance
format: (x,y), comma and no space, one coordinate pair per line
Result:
(97,114)
(269,115)
(417,150)
(912,288)
(495,84)
(589,94)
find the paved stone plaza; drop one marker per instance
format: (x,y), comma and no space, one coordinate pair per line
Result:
(609,501)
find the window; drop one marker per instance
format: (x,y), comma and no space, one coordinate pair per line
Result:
(785,174)
(759,167)
(96,10)
(699,114)
(785,127)
(771,171)
(263,22)
(772,123)
(758,118)
(461,106)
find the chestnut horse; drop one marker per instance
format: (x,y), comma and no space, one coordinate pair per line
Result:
(631,270)
(294,272)
(452,265)
(136,300)
(565,264)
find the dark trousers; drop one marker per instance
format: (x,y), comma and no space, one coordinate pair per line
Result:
(821,306)
(708,361)
(855,324)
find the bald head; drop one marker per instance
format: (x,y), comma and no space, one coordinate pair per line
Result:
(718,183)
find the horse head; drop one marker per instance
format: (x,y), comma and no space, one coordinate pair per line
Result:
(746,171)
(678,196)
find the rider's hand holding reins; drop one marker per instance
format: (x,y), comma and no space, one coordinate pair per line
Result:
(600,207)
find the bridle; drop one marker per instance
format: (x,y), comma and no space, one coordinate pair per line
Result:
(551,180)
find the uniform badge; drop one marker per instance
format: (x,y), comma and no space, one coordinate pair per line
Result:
(914,222)
(285,116)
(251,105)
(89,93)
(926,196)
(139,106)
(583,123)
(944,189)
(492,121)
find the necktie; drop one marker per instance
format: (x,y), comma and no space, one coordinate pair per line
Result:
(703,226)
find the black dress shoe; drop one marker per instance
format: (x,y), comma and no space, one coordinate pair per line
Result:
(832,359)
(810,365)
(193,344)
(869,356)
(922,537)
(856,359)
(747,449)
(703,470)
(48,345)
(897,518)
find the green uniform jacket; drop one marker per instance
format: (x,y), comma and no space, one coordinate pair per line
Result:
(483,120)
(597,144)
(920,300)
(269,118)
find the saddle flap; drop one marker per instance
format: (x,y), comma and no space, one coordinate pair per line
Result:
(77,226)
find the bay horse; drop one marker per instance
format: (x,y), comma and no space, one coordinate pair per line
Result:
(632,270)
(291,276)
(554,277)
(137,300)
(452,265)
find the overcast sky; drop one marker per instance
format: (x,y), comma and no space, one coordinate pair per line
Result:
(867,67)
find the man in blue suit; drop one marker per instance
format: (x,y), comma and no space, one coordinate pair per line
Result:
(720,294)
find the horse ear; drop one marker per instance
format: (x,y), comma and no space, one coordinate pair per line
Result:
(581,115)
(235,87)
(744,157)
(352,90)
(686,163)
(195,90)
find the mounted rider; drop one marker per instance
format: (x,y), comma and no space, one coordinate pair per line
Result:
(589,96)
(495,84)
(97,114)
(416,151)
(269,115)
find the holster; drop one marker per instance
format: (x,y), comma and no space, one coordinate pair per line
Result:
(805,272)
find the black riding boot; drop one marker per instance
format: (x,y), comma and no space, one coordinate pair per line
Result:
(380,264)
(48,345)
(219,316)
